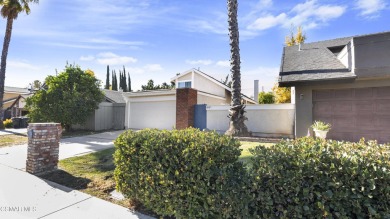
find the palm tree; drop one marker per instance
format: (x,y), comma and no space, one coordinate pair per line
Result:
(236,113)
(10,10)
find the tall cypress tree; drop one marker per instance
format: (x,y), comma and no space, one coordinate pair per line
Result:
(114,81)
(128,74)
(107,78)
(124,82)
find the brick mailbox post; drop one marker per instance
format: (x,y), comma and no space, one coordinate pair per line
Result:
(43,147)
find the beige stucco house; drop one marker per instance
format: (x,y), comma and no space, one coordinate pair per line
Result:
(158,108)
(14,101)
(345,82)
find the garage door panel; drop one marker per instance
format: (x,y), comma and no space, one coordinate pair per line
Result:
(363,107)
(323,108)
(364,93)
(341,123)
(323,95)
(345,136)
(382,122)
(365,123)
(382,92)
(383,137)
(355,113)
(342,107)
(382,107)
(343,94)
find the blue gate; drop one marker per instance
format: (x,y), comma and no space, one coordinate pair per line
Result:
(200,116)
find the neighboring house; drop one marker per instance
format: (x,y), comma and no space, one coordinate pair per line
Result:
(210,90)
(345,82)
(14,101)
(110,115)
(167,109)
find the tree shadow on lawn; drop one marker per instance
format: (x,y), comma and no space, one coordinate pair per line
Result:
(66,179)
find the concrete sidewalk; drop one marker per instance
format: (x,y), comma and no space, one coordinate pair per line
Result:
(23,195)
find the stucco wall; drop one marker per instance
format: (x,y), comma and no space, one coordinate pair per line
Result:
(204,84)
(203,99)
(304,114)
(268,120)
(187,77)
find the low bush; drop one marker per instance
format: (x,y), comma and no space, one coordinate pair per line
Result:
(314,178)
(8,123)
(183,173)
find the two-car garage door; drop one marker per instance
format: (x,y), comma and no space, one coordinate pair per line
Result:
(354,113)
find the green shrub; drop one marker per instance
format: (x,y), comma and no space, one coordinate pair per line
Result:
(8,123)
(266,98)
(182,173)
(314,178)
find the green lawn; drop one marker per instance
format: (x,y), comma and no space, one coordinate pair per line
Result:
(9,140)
(246,145)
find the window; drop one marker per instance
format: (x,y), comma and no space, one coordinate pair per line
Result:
(184,84)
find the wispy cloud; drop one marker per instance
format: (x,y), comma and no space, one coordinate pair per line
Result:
(370,8)
(150,68)
(200,62)
(23,65)
(87,58)
(223,63)
(109,58)
(309,14)
(268,21)
(153,67)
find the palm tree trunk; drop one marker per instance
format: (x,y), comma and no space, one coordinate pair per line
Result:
(3,64)
(236,113)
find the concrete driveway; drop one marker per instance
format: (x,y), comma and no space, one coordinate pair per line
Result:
(16,156)
(23,195)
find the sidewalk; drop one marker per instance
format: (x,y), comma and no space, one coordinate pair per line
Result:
(23,195)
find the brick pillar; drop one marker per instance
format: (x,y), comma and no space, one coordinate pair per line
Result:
(186,99)
(43,147)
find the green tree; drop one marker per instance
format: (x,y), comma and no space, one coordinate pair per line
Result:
(266,98)
(36,85)
(237,118)
(128,74)
(150,86)
(10,11)
(69,98)
(114,81)
(107,86)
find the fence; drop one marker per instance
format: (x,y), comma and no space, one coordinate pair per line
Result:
(267,120)
(108,116)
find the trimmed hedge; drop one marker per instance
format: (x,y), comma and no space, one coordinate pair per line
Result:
(194,174)
(182,173)
(314,178)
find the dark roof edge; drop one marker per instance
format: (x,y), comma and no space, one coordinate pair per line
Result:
(282,61)
(303,82)
(314,71)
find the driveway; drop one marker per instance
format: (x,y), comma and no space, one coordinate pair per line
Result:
(15,156)
(23,195)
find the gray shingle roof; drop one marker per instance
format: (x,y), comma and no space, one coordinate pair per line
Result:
(313,62)
(114,96)
(16,90)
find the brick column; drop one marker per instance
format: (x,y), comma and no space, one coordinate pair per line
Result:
(186,99)
(43,147)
